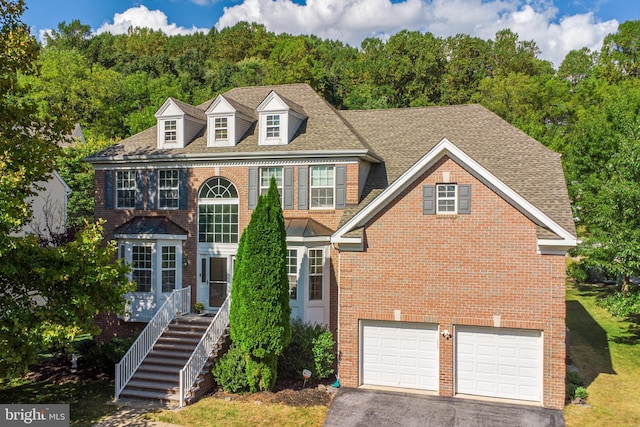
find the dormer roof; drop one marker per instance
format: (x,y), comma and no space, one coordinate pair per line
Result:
(174,107)
(276,102)
(227,105)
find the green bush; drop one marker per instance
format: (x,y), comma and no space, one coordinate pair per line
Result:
(621,304)
(311,347)
(103,356)
(581,393)
(577,272)
(573,381)
(230,371)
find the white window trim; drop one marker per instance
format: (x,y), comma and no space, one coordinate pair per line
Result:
(454,198)
(125,252)
(216,128)
(160,188)
(162,268)
(296,273)
(272,126)
(311,187)
(167,130)
(134,188)
(322,275)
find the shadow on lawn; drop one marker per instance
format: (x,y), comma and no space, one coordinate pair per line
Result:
(589,343)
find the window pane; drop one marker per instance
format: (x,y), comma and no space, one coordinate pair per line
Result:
(316,260)
(446,198)
(221,128)
(126,189)
(141,260)
(168,189)
(292,271)
(273,126)
(170,134)
(322,186)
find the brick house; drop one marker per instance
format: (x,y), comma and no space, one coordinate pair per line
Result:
(431,240)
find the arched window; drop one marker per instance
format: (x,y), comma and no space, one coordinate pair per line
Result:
(218,212)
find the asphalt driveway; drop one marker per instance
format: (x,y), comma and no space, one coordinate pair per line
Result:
(365,408)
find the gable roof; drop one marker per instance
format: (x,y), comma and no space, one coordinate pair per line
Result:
(324,131)
(402,137)
(393,141)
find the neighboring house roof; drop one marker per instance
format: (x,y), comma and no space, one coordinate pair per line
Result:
(394,141)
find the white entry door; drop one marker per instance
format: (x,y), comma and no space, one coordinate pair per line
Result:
(400,354)
(499,362)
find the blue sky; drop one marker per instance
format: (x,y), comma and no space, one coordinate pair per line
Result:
(556,26)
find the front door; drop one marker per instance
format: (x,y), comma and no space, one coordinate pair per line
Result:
(218,281)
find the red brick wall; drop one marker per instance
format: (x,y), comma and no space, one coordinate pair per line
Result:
(454,270)
(189,221)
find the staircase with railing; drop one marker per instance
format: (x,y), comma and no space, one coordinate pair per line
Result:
(172,354)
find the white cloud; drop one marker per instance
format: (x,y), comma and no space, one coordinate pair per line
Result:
(144,18)
(351,21)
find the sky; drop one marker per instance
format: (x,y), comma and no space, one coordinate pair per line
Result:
(557,26)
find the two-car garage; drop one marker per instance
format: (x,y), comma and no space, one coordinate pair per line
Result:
(490,362)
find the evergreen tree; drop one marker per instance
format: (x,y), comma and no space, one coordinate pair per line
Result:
(260,310)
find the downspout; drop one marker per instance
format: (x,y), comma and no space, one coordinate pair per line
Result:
(338,313)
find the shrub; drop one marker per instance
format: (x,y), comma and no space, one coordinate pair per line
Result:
(581,393)
(311,348)
(103,356)
(573,381)
(230,371)
(621,304)
(577,272)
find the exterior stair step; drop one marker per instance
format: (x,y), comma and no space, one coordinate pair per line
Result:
(153,385)
(157,376)
(176,354)
(150,395)
(159,360)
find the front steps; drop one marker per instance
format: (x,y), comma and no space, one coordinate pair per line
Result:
(158,377)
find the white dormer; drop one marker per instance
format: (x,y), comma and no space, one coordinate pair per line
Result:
(178,123)
(227,122)
(279,119)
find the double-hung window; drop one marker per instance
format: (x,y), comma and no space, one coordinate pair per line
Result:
(126,189)
(141,256)
(221,128)
(447,198)
(273,126)
(168,189)
(316,261)
(169,266)
(170,131)
(292,272)
(218,212)
(322,187)
(265,179)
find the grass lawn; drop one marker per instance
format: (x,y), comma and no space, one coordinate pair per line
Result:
(88,400)
(212,411)
(606,351)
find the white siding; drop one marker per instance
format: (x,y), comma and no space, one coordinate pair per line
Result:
(363,173)
(191,129)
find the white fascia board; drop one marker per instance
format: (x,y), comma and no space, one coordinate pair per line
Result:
(555,247)
(57,176)
(319,239)
(445,147)
(236,156)
(150,236)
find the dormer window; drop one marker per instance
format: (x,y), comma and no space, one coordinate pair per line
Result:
(278,120)
(170,132)
(221,128)
(273,126)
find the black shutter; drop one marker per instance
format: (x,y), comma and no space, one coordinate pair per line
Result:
(151,193)
(464,199)
(287,189)
(183,188)
(303,188)
(341,187)
(109,194)
(139,189)
(253,188)
(428,200)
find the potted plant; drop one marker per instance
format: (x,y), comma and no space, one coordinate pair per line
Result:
(198,307)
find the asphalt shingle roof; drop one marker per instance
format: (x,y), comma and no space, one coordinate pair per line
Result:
(400,137)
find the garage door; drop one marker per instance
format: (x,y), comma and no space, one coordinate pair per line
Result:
(397,354)
(496,362)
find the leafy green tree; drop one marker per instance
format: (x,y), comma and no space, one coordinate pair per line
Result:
(50,295)
(74,35)
(260,311)
(28,142)
(78,175)
(620,53)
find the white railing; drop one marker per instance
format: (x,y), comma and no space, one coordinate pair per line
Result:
(179,302)
(189,374)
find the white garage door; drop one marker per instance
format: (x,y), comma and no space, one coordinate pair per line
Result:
(396,354)
(495,362)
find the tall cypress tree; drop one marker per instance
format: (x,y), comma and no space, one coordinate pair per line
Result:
(260,312)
